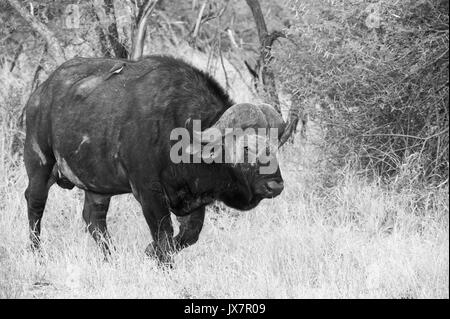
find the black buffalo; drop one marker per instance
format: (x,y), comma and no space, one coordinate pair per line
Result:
(103,125)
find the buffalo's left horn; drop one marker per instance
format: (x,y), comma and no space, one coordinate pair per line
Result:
(245,115)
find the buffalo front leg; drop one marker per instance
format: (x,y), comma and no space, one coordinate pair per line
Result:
(190,228)
(94,214)
(157,215)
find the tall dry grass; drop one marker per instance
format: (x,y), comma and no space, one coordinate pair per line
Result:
(352,238)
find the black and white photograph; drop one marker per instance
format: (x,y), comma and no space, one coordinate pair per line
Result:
(240,150)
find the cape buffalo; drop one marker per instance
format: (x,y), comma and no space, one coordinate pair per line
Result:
(104,126)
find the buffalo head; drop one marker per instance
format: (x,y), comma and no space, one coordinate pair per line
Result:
(245,140)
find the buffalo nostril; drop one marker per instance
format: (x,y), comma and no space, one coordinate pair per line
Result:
(275,187)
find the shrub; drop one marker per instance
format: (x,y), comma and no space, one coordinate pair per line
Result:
(378,73)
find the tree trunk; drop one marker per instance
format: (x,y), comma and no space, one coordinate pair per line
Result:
(265,41)
(104,9)
(267,76)
(104,43)
(54,48)
(140,28)
(119,49)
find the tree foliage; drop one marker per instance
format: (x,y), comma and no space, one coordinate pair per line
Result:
(375,75)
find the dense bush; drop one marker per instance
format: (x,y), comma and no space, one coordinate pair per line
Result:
(375,76)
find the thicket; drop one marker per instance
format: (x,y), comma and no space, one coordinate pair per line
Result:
(375,76)
(372,74)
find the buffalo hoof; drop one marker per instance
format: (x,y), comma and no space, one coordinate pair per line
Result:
(36,250)
(165,260)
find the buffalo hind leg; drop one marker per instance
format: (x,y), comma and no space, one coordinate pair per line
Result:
(94,214)
(190,228)
(39,181)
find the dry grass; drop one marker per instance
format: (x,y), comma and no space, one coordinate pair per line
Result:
(352,240)
(340,237)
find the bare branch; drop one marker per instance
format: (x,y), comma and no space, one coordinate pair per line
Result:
(169,27)
(203,18)
(271,37)
(295,115)
(232,39)
(16,56)
(104,9)
(199,19)
(212,16)
(140,29)
(39,69)
(227,82)
(54,48)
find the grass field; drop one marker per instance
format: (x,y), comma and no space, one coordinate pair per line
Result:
(353,239)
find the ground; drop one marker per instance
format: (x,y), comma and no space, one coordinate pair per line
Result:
(353,239)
